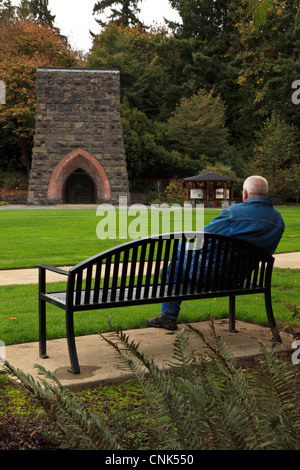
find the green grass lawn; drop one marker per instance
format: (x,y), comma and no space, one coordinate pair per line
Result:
(66,237)
(19,311)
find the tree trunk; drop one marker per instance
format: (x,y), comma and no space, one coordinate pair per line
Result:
(26,156)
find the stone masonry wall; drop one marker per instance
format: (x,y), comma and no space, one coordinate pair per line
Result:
(77,109)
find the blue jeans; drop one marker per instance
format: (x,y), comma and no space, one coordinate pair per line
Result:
(170,309)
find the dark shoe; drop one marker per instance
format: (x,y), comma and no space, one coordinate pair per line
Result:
(162,322)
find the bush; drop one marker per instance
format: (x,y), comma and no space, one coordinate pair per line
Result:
(13,180)
(175,192)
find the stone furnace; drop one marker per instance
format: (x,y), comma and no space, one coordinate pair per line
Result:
(78,155)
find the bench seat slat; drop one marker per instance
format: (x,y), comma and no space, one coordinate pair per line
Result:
(134,295)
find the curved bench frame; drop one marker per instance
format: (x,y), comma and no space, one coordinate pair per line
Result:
(143,271)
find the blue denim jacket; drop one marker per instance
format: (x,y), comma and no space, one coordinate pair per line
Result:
(255,221)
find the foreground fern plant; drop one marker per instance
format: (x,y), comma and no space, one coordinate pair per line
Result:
(202,400)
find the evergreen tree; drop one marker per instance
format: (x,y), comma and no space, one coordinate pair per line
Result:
(276,154)
(146,149)
(126,15)
(197,128)
(204,19)
(41,11)
(7,10)
(35,10)
(206,31)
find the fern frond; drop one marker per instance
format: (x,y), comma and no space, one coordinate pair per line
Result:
(217,351)
(81,429)
(182,363)
(278,394)
(165,400)
(227,388)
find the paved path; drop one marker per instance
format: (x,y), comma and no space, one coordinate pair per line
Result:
(288,260)
(30,276)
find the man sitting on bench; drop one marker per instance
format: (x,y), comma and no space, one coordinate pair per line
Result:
(254,220)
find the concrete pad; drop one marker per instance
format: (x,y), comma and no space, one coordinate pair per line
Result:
(100,364)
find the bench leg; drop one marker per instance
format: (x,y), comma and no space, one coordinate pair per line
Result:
(42,314)
(232,314)
(42,329)
(271,319)
(75,369)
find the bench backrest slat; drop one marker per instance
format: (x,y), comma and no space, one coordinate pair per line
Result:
(189,261)
(116,264)
(78,287)
(218,262)
(180,268)
(193,278)
(141,271)
(147,269)
(164,267)
(124,275)
(262,274)
(172,268)
(106,279)
(97,281)
(132,273)
(88,284)
(203,259)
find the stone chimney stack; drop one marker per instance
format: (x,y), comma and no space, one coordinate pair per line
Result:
(78,154)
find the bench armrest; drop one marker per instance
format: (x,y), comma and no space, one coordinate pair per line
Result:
(52,268)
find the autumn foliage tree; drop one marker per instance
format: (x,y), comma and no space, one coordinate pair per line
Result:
(25,46)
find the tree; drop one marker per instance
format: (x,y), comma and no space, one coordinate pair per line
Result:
(146,65)
(207,31)
(258,9)
(25,46)
(293,182)
(146,149)
(7,10)
(205,19)
(121,48)
(41,11)
(267,59)
(31,10)
(216,46)
(276,154)
(125,16)
(197,127)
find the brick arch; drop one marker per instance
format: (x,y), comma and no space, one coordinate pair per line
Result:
(79,158)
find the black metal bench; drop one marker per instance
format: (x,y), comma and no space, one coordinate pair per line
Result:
(143,272)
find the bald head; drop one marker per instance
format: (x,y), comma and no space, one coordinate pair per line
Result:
(255,186)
